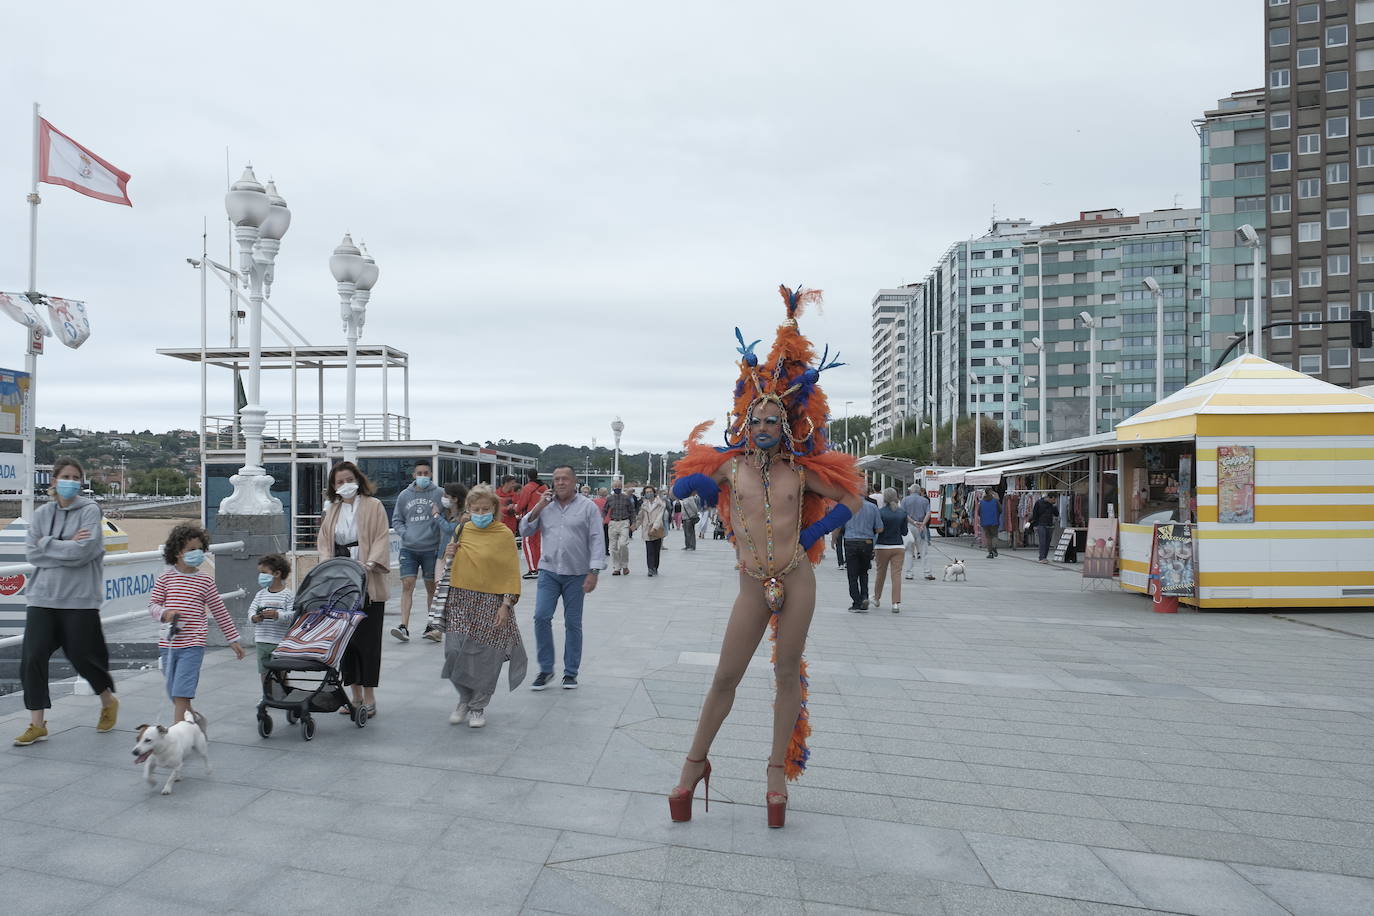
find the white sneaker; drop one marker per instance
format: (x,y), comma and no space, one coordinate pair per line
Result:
(896,608)
(877,602)
(477,718)
(459,713)
(908,577)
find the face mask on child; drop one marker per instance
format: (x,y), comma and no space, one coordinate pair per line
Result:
(193,558)
(448,503)
(347,490)
(68,488)
(264,580)
(483,520)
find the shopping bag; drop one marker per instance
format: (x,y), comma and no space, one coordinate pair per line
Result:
(69,321)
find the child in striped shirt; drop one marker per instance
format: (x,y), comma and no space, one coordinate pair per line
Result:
(272,607)
(183,599)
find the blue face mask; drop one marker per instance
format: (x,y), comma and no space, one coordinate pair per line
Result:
(193,558)
(421,483)
(483,520)
(264,580)
(68,488)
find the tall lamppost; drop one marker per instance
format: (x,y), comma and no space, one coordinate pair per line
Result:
(1111,399)
(953,391)
(1040,326)
(934,427)
(1249,238)
(1152,285)
(977,420)
(356,274)
(617,427)
(846,418)
(1038,345)
(1005,363)
(1091,324)
(260,217)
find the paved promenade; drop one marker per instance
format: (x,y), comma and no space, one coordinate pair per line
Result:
(1008,745)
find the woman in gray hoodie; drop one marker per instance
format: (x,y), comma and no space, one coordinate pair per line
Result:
(66,545)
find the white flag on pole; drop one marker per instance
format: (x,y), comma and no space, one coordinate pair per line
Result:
(69,321)
(21,308)
(61,160)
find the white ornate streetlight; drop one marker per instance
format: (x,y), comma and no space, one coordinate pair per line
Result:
(1006,364)
(617,427)
(1151,284)
(1091,323)
(977,420)
(355,274)
(260,217)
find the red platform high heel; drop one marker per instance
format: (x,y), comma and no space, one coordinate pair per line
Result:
(777,803)
(680,799)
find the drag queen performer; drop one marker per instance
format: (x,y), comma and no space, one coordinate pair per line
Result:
(779,491)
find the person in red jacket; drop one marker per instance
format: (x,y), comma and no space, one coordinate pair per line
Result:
(525,500)
(505,496)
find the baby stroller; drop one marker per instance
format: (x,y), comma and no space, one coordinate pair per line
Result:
(329,607)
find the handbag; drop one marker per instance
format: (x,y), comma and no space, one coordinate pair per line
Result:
(441,586)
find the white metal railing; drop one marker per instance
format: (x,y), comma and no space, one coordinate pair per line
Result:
(305,429)
(117,559)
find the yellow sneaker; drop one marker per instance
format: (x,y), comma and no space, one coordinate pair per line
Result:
(31,734)
(108,715)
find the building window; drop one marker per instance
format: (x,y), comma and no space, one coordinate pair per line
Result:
(1337,265)
(1278,79)
(1309,57)
(1364,12)
(1309,143)
(1309,277)
(1281,287)
(1282,331)
(1367,252)
(1310,12)
(1336,218)
(1279,162)
(1337,127)
(1278,2)
(1338,311)
(1337,80)
(1278,37)
(1280,120)
(1309,232)
(1336,35)
(1364,156)
(1338,173)
(1365,205)
(1364,59)
(1249,169)
(1312,365)
(1246,204)
(1282,203)
(1309,188)
(1338,358)
(1281,244)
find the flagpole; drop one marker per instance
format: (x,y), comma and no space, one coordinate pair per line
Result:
(30,357)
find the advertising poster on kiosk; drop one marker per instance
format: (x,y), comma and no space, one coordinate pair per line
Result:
(1099,560)
(1172,567)
(1235,484)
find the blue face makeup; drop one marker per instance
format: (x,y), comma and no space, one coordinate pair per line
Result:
(767,431)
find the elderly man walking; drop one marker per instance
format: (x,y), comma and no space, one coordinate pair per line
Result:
(691,515)
(572,557)
(917,507)
(620,522)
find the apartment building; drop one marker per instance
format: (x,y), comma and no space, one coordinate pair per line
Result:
(1319,103)
(1232,143)
(891,312)
(1099,264)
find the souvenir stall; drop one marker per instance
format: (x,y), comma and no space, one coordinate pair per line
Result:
(1270,475)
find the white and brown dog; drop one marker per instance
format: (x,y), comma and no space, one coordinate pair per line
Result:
(159,746)
(954,572)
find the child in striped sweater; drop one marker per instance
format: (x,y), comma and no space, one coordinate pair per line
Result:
(183,600)
(272,609)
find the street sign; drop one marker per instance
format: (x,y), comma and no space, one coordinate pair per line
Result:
(14,470)
(36,341)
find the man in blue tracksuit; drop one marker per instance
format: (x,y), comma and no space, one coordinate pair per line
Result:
(416,523)
(990,517)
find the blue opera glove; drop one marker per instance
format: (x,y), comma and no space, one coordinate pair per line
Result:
(826,524)
(699,484)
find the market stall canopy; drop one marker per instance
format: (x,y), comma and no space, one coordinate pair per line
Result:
(1245,397)
(951,476)
(990,476)
(901,468)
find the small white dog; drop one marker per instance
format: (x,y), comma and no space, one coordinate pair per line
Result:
(159,746)
(954,572)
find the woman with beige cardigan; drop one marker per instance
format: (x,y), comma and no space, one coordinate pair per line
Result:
(355,525)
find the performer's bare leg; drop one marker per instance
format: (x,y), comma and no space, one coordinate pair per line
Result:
(747,622)
(793,623)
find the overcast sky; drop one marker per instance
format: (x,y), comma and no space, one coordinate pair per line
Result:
(573,205)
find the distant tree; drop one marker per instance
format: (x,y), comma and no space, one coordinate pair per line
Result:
(164,481)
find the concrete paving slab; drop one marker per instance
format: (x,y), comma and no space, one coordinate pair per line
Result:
(1188,885)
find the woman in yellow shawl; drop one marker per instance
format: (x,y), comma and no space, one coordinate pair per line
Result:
(480,633)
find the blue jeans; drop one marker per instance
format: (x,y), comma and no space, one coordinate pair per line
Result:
(551,586)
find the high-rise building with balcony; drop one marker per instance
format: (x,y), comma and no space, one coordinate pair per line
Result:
(891,312)
(1319,103)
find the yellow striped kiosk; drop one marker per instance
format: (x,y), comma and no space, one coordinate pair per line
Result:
(1276,468)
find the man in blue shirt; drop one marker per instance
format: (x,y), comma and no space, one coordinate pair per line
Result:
(859,533)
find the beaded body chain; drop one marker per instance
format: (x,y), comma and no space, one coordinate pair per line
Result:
(772,581)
